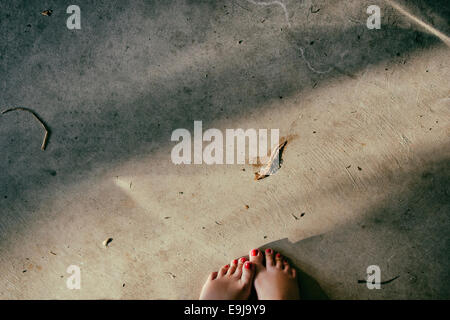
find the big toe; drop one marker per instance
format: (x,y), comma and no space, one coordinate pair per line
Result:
(256,257)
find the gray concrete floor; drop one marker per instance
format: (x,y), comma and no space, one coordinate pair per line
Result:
(369,165)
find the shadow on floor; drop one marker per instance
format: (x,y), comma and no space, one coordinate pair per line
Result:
(406,236)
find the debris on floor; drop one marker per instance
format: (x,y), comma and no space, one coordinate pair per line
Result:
(383,282)
(47,12)
(273,164)
(47,131)
(107,242)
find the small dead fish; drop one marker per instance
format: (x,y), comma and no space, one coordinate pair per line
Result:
(273,164)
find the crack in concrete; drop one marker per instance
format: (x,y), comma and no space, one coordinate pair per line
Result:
(310,67)
(281,4)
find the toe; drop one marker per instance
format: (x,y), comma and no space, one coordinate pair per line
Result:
(223,270)
(213,275)
(286,266)
(247,273)
(279,260)
(293,273)
(238,271)
(233,266)
(269,258)
(256,258)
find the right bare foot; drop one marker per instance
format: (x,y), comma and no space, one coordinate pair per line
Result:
(277,280)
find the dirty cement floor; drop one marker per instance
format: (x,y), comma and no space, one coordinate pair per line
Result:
(369,166)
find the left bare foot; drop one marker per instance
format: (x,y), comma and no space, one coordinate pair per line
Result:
(232,282)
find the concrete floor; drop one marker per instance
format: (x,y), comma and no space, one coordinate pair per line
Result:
(369,164)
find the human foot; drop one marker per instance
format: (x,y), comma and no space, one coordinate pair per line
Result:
(277,280)
(232,282)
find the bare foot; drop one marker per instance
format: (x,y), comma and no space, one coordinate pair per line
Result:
(230,283)
(277,280)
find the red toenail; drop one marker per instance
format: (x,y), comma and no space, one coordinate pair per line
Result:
(278,255)
(269,251)
(235,261)
(255,252)
(248,265)
(243,260)
(227,266)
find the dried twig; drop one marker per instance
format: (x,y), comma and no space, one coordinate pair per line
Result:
(47,131)
(383,282)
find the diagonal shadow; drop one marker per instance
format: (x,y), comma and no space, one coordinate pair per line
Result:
(90,137)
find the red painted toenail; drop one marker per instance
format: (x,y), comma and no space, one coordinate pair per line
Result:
(235,261)
(269,251)
(227,266)
(278,255)
(255,252)
(248,265)
(243,260)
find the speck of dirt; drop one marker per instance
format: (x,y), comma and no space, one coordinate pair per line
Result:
(359,168)
(303,214)
(107,242)
(47,12)
(53,173)
(181,192)
(247,207)
(240,41)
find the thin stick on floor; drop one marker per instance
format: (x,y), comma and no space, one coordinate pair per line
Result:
(47,131)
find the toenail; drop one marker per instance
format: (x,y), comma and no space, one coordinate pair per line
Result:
(269,251)
(255,252)
(248,265)
(235,261)
(227,266)
(243,260)
(278,255)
